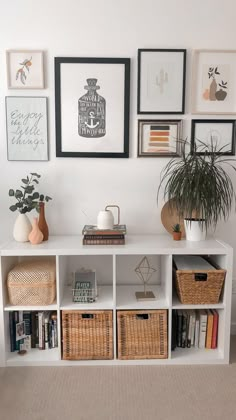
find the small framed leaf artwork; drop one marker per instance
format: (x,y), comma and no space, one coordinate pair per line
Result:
(159,138)
(25,69)
(214,82)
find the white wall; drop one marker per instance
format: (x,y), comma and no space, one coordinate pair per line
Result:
(80,187)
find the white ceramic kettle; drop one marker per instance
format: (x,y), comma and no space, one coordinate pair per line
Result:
(105,219)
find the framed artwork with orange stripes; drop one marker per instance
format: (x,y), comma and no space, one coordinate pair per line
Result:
(159,138)
(161,81)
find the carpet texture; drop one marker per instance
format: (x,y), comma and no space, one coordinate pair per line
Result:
(120,393)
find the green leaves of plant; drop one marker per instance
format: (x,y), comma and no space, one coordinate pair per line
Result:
(27,199)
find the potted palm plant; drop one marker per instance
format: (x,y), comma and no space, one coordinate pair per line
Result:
(198,187)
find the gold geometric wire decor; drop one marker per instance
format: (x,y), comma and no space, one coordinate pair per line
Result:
(144,271)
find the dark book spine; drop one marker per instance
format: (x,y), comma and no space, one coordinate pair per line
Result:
(33,327)
(27,319)
(103,241)
(174,330)
(184,329)
(97,237)
(179,328)
(17,343)
(11,329)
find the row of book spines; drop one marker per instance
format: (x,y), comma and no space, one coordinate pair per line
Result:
(103,241)
(120,236)
(195,328)
(33,330)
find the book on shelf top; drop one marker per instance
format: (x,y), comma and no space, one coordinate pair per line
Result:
(93,230)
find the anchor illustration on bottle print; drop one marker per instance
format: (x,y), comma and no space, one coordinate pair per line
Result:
(91,119)
(91,112)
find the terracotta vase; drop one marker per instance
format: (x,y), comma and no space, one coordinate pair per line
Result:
(35,236)
(177,236)
(42,222)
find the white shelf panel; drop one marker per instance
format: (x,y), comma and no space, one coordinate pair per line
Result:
(33,357)
(135,244)
(176,304)
(10,307)
(196,355)
(125,298)
(104,300)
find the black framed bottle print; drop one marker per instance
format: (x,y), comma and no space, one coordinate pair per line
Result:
(92,97)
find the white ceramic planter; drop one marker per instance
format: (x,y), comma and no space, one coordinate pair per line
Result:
(22,228)
(194,230)
(105,220)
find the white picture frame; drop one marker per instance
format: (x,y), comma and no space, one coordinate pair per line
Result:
(161,81)
(26,126)
(25,69)
(213,82)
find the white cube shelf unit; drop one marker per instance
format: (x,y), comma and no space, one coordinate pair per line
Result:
(117,284)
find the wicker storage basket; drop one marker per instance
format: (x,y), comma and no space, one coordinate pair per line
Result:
(142,334)
(32,283)
(87,335)
(199,286)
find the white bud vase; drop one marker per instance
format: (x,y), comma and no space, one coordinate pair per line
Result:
(22,228)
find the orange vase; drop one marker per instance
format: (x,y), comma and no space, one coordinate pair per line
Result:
(42,222)
(35,237)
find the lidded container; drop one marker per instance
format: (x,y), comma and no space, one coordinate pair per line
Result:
(32,282)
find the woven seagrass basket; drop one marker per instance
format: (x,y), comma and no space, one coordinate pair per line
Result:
(87,335)
(199,286)
(142,334)
(32,283)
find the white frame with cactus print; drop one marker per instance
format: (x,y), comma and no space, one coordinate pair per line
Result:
(214,82)
(25,69)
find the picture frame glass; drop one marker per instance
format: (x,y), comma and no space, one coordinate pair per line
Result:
(161,81)
(213,82)
(219,134)
(159,138)
(25,69)
(27,131)
(93,118)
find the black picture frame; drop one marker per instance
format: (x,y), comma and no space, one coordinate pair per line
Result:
(117,79)
(179,83)
(212,135)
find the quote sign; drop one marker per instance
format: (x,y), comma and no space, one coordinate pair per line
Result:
(27,128)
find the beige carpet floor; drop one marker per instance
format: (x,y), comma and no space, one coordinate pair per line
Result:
(120,393)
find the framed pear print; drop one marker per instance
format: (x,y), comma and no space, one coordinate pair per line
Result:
(214,82)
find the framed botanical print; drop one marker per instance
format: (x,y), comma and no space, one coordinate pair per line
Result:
(26,123)
(214,82)
(161,81)
(158,138)
(92,98)
(25,69)
(209,135)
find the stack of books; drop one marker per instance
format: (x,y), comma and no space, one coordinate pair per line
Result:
(94,236)
(195,328)
(32,329)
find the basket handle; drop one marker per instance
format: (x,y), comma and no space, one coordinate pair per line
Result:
(87,316)
(142,316)
(200,276)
